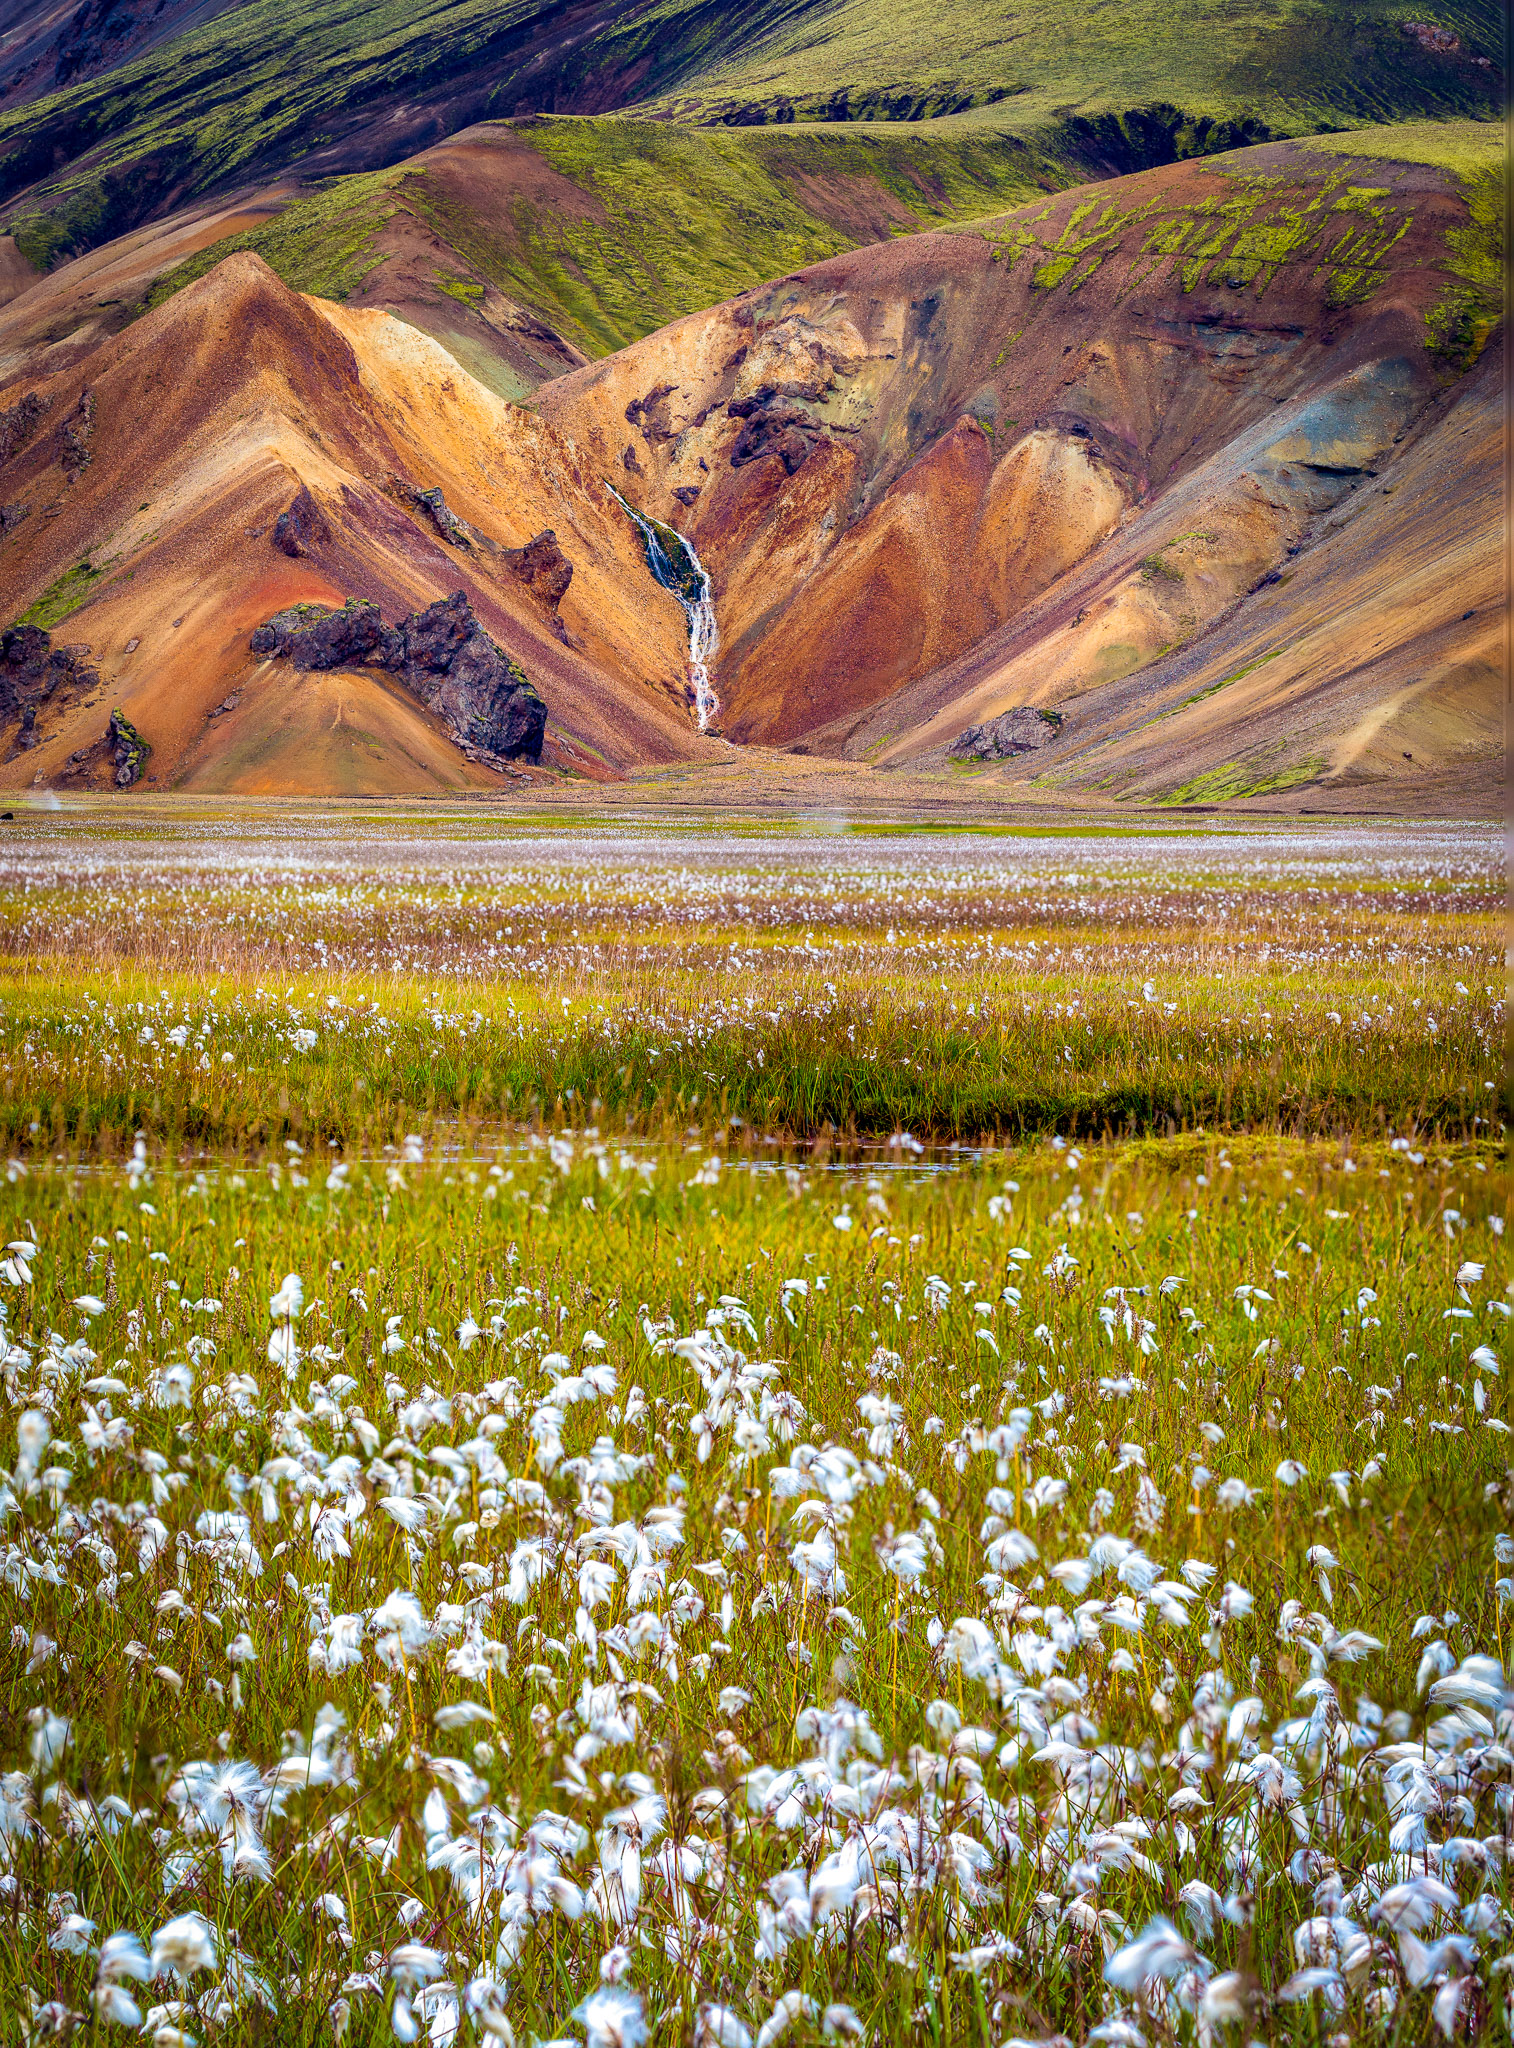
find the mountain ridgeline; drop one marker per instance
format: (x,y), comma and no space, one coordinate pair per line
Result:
(130,120)
(391,404)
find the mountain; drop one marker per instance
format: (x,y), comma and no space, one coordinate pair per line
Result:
(144,497)
(1181,485)
(1088,458)
(139,126)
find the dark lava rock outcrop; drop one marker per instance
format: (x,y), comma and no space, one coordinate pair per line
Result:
(1021,731)
(771,425)
(75,435)
(301,526)
(543,567)
(19,422)
(120,753)
(128,749)
(441,654)
(34,676)
(312,636)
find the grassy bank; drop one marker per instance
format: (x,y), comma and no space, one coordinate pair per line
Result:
(500,1543)
(238,1066)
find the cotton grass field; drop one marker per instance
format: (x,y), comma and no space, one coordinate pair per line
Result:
(724,1438)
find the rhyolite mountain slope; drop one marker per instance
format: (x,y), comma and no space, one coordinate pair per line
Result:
(1202,463)
(526,247)
(1019,463)
(143,498)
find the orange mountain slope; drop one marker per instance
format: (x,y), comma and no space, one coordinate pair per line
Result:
(156,473)
(1086,431)
(1201,465)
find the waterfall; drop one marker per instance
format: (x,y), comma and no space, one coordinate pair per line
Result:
(674,564)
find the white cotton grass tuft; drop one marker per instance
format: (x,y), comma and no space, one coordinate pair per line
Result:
(779,1654)
(182,1946)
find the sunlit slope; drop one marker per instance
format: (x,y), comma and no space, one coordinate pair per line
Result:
(1201,462)
(1019,464)
(197,428)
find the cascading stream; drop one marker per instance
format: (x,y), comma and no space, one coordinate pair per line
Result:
(675,565)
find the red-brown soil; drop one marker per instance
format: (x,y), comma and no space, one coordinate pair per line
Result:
(209,414)
(1167,456)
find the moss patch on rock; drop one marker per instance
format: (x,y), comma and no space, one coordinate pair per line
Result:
(63,597)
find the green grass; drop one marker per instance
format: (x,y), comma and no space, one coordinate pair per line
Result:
(63,597)
(1052,1529)
(939,1305)
(322,245)
(680,219)
(257,89)
(855,993)
(1246,778)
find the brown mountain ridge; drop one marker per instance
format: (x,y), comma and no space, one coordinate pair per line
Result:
(1202,464)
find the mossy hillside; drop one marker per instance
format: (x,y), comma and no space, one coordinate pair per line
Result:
(255,90)
(1213,689)
(684,218)
(323,244)
(1477,154)
(63,597)
(694,217)
(1311,65)
(1259,776)
(1466,148)
(261,87)
(1240,237)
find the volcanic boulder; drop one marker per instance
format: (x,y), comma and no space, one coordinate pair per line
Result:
(313,636)
(33,673)
(75,435)
(301,526)
(441,654)
(771,425)
(129,751)
(433,502)
(481,694)
(1021,731)
(543,567)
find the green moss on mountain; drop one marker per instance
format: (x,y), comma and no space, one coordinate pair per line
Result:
(1459,324)
(1262,775)
(63,597)
(322,245)
(279,83)
(692,217)
(674,219)
(1293,69)
(1239,237)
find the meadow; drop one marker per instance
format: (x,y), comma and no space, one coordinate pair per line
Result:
(223,990)
(954,1551)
